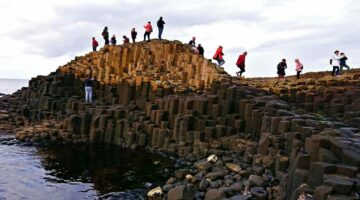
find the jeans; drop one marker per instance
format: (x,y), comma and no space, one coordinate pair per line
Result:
(147,34)
(220,61)
(160,32)
(298,74)
(88,94)
(106,41)
(335,71)
(133,39)
(94,48)
(342,66)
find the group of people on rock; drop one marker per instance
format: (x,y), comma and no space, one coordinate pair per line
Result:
(283,65)
(338,62)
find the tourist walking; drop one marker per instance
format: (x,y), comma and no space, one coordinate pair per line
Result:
(298,67)
(200,50)
(218,56)
(133,34)
(88,89)
(241,63)
(335,62)
(95,44)
(281,68)
(343,62)
(105,35)
(113,40)
(160,25)
(126,40)
(148,30)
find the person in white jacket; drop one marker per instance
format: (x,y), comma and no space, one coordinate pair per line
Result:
(335,62)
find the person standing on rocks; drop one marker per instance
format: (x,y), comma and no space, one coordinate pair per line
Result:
(200,50)
(218,56)
(88,89)
(192,43)
(160,25)
(335,62)
(113,40)
(343,62)
(95,44)
(133,34)
(126,40)
(241,63)
(148,30)
(298,67)
(105,35)
(281,68)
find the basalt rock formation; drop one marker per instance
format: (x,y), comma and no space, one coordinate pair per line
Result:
(272,139)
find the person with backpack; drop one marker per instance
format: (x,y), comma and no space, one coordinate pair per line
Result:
(200,50)
(133,34)
(343,62)
(113,40)
(95,44)
(148,30)
(160,25)
(126,40)
(298,67)
(281,68)
(218,56)
(105,35)
(335,62)
(241,63)
(88,82)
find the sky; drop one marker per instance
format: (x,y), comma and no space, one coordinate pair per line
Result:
(38,36)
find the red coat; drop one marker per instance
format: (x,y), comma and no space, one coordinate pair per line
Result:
(95,43)
(241,60)
(148,27)
(218,54)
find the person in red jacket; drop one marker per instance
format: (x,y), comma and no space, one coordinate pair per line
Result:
(241,63)
(148,30)
(218,56)
(95,44)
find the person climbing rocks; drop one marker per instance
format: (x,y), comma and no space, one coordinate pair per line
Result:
(281,68)
(218,56)
(113,40)
(133,34)
(200,50)
(335,62)
(95,44)
(192,44)
(105,35)
(160,25)
(343,62)
(298,67)
(88,89)
(148,30)
(241,63)
(126,40)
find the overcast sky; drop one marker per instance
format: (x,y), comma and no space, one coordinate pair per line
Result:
(38,36)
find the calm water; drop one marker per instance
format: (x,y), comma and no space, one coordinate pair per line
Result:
(8,86)
(70,172)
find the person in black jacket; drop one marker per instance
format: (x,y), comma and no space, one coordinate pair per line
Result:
(281,68)
(200,50)
(105,35)
(88,89)
(160,25)
(113,40)
(133,34)
(343,62)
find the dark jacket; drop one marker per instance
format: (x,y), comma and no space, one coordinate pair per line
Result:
(113,40)
(160,23)
(192,43)
(201,50)
(105,34)
(343,61)
(88,82)
(133,34)
(281,68)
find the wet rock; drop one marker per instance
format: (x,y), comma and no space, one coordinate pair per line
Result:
(203,185)
(215,175)
(214,194)
(233,167)
(180,173)
(255,180)
(181,192)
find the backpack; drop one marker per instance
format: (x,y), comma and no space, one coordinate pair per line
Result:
(330,61)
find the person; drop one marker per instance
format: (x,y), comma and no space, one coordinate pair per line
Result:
(105,35)
(160,25)
(335,62)
(133,34)
(218,56)
(113,40)
(126,40)
(298,67)
(95,44)
(192,43)
(281,68)
(343,62)
(148,30)
(200,50)
(88,89)
(241,63)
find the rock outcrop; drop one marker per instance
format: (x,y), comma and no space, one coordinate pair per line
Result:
(271,139)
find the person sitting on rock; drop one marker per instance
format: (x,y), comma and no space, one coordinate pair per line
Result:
(88,89)
(218,56)
(200,50)
(192,43)
(113,40)
(95,44)
(241,63)
(281,68)
(343,62)
(105,35)
(148,30)
(126,40)
(298,67)
(133,34)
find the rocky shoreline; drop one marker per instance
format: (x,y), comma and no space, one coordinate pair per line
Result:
(237,138)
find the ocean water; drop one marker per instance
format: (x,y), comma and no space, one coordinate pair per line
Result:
(9,86)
